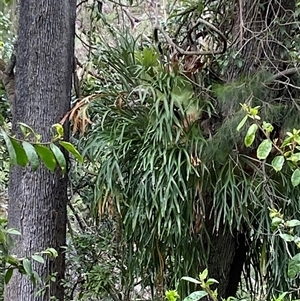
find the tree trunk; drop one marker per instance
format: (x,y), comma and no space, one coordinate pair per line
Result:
(37,200)
(259,35)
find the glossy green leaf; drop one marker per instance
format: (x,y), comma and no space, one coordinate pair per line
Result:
(242,123)
(46,156)
(195,296)
(71,149)
(22,159)
(10,148)
(250,136)
(60,158)
(27,266)
(277,163)
(294,266)
(8,275)
(264,149)
(31,155)
(296,177)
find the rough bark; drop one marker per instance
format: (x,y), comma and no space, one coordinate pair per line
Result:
(37,200)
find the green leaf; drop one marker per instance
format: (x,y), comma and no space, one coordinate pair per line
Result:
(8,275)
(13,231)
(59,129)
(31,155)
(242,123)
(10,148)
(22,159)
(250,136)
(211,281)
(46,156)
(190,279)
(277,163)
(71,149)
(195,296)
(27,266)
(287,237)
(293,223)
(38,258)
(296,177)
(59,157)
(203,275)
(264,149)
(294,266)
(26,129)
(50,252)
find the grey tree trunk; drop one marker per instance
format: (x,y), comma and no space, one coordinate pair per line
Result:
(37,200)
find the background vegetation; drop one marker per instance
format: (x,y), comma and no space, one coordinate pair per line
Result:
(168,187)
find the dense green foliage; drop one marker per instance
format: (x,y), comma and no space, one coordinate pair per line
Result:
(165,167)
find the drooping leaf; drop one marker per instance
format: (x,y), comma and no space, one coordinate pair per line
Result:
(10,148)
(31,155)
(8,275)
(59,157)
(71,149)
(294,266)
(27,266)
(22,159)
(46,156)
(277,163)
(264,149)
(296,177)
(195,296)
(250,136)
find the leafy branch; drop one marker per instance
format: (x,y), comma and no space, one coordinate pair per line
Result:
(288,150)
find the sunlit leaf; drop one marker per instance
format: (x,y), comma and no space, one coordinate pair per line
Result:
(31,155)
(242,123)
(250,136)
(277,163)
(190,279)
(264,149)
(46,156)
